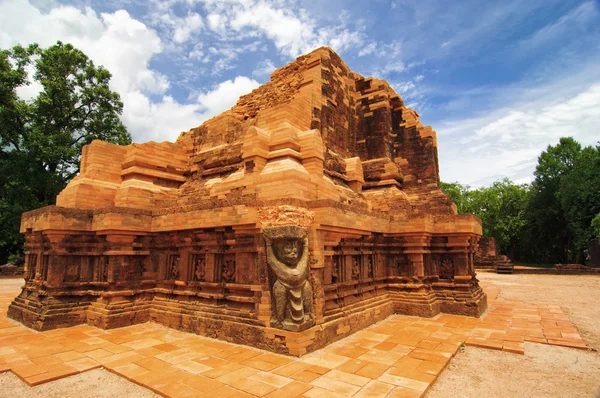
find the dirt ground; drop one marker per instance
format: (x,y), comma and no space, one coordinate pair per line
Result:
(544,371)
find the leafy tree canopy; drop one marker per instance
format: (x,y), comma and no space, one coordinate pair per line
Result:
(551,220)
(41,139)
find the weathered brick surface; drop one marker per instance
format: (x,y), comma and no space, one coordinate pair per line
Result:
(172,232)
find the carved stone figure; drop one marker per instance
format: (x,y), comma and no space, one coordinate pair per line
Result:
(229,271)
(334,271)
(287,255)
(200,269)
(370,267)
(355,269)
(175,268)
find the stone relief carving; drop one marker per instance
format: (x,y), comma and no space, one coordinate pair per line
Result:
(447,268)
(287,256)
(370,267)
(229,271)
(200,269)
(174,267)
(355,268)
(72,273)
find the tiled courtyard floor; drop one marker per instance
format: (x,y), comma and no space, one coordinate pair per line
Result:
(399,357)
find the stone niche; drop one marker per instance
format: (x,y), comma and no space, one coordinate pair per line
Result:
(308,211)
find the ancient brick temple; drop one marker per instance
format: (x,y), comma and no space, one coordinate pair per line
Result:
(308,211)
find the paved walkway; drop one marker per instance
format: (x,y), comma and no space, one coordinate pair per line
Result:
(399,357)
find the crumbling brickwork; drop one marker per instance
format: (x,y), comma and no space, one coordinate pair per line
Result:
(308,211)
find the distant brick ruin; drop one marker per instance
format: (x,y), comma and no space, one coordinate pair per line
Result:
(308,211)
(487,257)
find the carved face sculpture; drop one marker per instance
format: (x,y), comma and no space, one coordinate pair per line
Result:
(287,251)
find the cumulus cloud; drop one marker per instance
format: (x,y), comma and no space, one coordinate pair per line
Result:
(508,141)
(224,95)
(291,29)
(264,69)
(124,46)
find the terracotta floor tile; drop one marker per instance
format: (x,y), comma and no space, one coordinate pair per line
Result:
(352,366)
(413,374)
(29,370)
(98,353)
(151,380)
(57,372)
(233,377)
(401,392)
(515,347)
(142,343)
(278,360)
(271,379)
(430,367)
(254,387)
(348,378)
(385,346)
(321,370)
(290,390)
(152,364)
(326,360)
(386,358)
(69,356)
(166,347)
(337,386)
(223,370)
(178,390)
(83,364)
(244,356)
(211,361)
(116,348)
(291,368)
(404,382)
(228,392)
(203,384)
(47,361)
(146,378)
(350,352)
(178,356)
(193,367)
(408,362)
(374,389)
(130,371)
(372,370)
(305,376)
(318,392)
(260,364)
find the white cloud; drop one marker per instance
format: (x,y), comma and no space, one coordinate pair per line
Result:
(508,141)
(368,49)
(124,46)
(574,20)
(225,95)
(185,27)
(292,30)
(264,68)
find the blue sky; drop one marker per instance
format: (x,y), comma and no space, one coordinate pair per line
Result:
(498,80)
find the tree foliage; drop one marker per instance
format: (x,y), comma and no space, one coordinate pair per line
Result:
(501,208)
(41,139)
(550,220)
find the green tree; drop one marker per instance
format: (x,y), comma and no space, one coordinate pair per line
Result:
(41,139)
(501,208)
(596,225)
(551,240)
(579,195)
(458,193)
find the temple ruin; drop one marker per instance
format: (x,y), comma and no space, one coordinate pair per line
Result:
(308,211)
